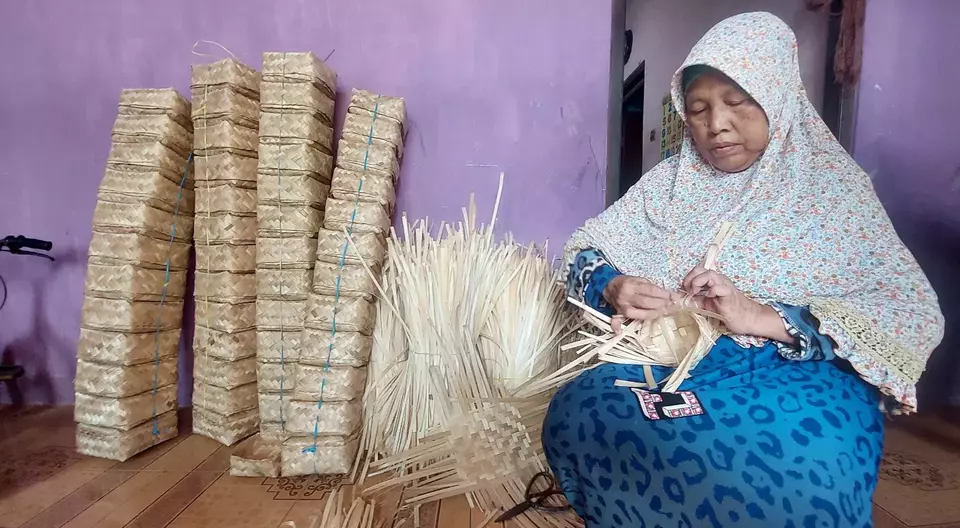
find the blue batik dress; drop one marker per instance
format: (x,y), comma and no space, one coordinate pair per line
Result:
(770,436)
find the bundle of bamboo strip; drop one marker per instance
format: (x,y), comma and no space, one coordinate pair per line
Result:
(225,116)
(361,514)
(324,410)
(297,95)
(126,382)
(464,364)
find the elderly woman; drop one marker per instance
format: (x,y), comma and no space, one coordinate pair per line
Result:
(829,319)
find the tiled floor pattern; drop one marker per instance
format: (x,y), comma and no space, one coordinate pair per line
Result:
(183,483)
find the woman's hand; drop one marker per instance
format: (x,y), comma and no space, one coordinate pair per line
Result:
(716,293)
(637,299)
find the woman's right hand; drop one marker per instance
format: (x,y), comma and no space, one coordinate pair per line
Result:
(637,299)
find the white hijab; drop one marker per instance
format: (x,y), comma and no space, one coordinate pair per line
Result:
(810,230)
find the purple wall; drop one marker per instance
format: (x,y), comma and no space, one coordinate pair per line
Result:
(906,140)
(517,86)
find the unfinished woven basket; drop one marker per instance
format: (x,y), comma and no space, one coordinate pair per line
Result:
(255,458)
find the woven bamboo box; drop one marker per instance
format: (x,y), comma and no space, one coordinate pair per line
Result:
(285,253)
(140,218)
(364,127)
(290,128)
(374,157)
(226,286)
(146,155)
(134,283)
(155,101)
(356,217)
(149,128)
(226,317)
(212,103)
(225,166)
(122,315)
(124,349)
(278,346)
(226,196)
(113,381)
(124,413)
(227,73)
(345,281)
(350,349)
(367,103)
(114,444)
(222,373)
(296,98)
(274,314)
(276,377)
(324,455)
(296,157)
(353,314)
(334,247)
(239,257)
(328,384)
(224,401)
(284,284)
(222,135)
(227,430)
(255,457)
(299,67)
(328,418)
(134,248)
(224,345)
(151,187)
(355,186)
(288,220)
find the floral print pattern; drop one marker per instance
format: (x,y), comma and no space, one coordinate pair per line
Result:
(810,230)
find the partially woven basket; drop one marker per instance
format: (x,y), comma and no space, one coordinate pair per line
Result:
(255,458)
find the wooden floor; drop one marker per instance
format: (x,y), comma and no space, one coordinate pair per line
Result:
(183,483)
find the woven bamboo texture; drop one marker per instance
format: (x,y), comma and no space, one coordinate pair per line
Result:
(123,349)
(346,281)
(325,455)
(225,286)
(272,432)
(133,283)
(122,315)
(331,418)
(225,228)
(213,103)
(138,249)
(226,317)
(275,346)
(113,381)
(353,314)
(225,166)
(328,384)
(299,67)
(155,101)
(288,220)
(254,457)
(275,314)
(239,258)
(227,73)
(223,345)
(223,373)
(295,157)
(151,187)
(146,155)
(288,252)
(292,128)
(286,283)
(227,430)
(117,217)
(347,186)
(227,196)
(350,349)
(277,377)
(364,102)
(358,217)
(148,128)
(373,156)
(224,135)
(114,444)
(224,401)
(124,413)
(363,127)
(291,188)
(298,98)
(366,247)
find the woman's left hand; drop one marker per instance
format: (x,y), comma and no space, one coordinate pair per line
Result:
(716,293)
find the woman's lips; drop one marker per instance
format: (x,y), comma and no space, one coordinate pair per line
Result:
(724,149)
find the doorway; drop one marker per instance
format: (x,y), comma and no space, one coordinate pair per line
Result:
(631,130)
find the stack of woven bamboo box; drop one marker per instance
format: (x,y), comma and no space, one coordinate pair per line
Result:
(295,165)
(126,382)
(225,116)
(324,412)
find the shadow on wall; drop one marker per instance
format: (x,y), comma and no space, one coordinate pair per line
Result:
(937,247)
(42,342)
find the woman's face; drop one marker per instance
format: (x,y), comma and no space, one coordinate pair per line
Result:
(729,128)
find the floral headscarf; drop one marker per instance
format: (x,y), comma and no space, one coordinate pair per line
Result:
(810,230)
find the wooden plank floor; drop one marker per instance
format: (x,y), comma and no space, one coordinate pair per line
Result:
(184,483)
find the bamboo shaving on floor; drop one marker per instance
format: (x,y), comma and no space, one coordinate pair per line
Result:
(464,364)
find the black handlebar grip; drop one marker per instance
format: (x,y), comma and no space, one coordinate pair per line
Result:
(32,243)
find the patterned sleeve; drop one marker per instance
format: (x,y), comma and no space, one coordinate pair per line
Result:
(589,275)
(805,328)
